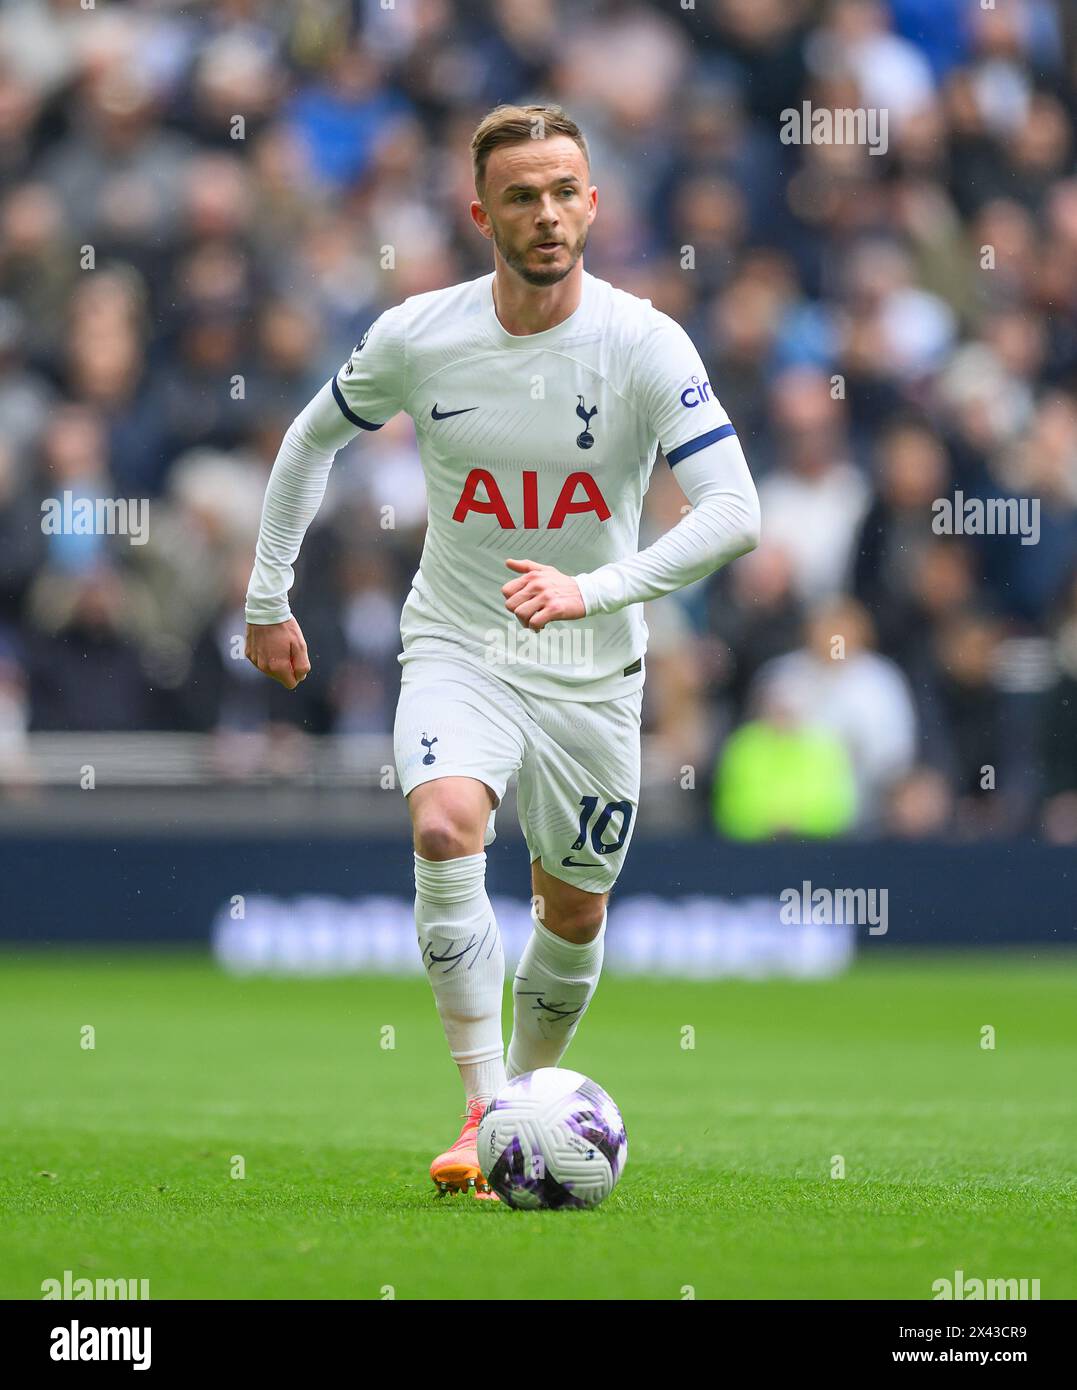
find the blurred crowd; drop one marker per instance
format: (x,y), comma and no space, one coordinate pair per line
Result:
(203,206)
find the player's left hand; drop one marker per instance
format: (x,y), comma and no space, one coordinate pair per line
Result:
(541,594)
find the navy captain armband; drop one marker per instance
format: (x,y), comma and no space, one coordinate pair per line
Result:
(701,441)
(349,414)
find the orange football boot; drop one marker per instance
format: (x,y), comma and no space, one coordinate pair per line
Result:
(457,1169)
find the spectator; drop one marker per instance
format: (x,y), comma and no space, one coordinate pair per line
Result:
(835,682)
(814,501)
(1058,730)
(780,775)
(88,673)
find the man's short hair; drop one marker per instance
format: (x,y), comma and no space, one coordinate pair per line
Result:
(512,125)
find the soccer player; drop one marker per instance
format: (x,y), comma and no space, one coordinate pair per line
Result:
(540,395)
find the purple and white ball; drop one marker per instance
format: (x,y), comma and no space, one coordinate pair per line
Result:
(552,1138)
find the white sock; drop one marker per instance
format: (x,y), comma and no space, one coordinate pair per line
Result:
(465,963)
(552,988)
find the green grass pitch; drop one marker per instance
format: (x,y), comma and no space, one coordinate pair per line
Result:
(117,1161)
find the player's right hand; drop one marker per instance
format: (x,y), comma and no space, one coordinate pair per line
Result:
(278,649)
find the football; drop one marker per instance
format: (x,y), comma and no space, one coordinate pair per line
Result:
(552,1138)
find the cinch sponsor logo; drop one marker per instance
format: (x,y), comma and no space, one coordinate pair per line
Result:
(493,502)
(973,1289)
(696,394)
(102,1344)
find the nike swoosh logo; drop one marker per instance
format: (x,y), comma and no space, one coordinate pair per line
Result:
(569,863)
(436,414)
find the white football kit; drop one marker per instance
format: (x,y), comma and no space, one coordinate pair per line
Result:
(536,447)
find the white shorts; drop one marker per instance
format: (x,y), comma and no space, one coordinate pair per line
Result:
(578,762)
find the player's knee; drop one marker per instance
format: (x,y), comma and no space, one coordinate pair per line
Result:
(441,834)
(449,817)
(578,921)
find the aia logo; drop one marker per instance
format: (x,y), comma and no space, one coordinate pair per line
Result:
(493,502)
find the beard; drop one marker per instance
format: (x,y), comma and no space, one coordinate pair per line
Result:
(539,278)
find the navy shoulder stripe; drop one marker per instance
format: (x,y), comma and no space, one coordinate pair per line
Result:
(683,451)
(338,396)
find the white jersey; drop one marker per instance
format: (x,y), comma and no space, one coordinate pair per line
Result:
(536,447)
